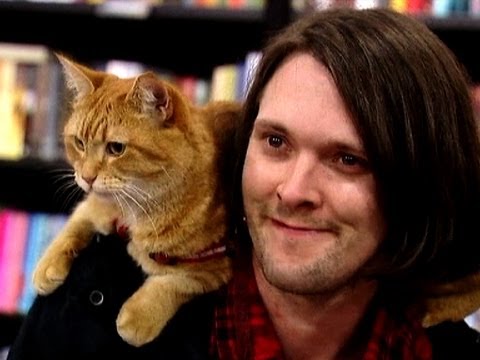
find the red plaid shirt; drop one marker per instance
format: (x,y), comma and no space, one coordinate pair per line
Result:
(243,330)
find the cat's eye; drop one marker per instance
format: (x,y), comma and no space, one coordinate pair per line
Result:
(115,148)
(79,143)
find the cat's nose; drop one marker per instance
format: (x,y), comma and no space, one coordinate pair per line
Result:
(89,179)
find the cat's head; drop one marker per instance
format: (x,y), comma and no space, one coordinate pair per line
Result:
(129,138)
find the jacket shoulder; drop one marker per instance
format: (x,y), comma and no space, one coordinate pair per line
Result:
(68,325)
(454,340)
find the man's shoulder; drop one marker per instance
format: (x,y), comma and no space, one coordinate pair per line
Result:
(454,340)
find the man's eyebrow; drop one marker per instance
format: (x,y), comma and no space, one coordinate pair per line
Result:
(347,147)
(269,124)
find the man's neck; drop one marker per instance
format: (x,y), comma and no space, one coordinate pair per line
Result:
(316,326)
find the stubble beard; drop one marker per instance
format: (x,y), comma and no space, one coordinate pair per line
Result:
(321,276)
(327,274)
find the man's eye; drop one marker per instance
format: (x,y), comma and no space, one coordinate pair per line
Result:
(350,160)
(275,141)
(354,162)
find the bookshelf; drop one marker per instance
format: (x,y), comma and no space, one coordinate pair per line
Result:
(180,39)
(459,33)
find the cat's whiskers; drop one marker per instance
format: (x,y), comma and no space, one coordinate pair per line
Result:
(131,197)
(146,196)
(132,212)
(119,202)
(76,194)
(62,174)
(66,181)
(70,188)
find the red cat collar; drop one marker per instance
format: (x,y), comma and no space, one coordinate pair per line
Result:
(215,251)
(120,228)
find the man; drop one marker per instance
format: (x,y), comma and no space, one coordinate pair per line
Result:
(360,186)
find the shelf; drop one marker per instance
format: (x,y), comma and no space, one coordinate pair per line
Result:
(452,23)
(183,40)
(460,33)
(198,38)
(37,186)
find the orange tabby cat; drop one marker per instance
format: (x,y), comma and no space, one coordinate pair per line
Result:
(150,163)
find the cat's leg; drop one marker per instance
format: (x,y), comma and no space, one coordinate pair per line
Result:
(144,315)
(451,301)
(55,263)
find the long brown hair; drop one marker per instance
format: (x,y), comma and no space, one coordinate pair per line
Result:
(409,99)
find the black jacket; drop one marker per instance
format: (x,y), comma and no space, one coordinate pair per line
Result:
(71,324)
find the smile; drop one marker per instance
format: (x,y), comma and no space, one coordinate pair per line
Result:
(292,227)
(299,229)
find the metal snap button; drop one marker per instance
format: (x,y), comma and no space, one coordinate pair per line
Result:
(96,298)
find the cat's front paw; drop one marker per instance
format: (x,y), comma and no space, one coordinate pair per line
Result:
(136,325)
(50,273)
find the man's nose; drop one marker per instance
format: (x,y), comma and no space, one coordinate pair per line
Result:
(300,184)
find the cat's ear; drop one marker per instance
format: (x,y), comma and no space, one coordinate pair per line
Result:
(82,80)
(150,96)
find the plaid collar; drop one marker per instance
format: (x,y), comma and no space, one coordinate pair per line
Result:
(243,330)
(242,327)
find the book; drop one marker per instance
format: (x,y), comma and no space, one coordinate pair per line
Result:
(11,274)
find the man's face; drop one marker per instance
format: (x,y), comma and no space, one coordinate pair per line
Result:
(309,194)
